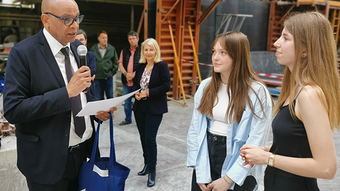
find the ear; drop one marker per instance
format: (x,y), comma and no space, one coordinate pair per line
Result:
(304,53)
(44,19)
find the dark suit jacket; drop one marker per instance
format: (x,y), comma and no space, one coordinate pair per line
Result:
(159,84)
(37,102)
(91,62)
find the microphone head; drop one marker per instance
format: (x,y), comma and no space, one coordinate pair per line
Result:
(82,50)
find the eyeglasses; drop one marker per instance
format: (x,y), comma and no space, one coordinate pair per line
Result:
(68,21)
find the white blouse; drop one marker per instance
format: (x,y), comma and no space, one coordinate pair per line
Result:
(145,79)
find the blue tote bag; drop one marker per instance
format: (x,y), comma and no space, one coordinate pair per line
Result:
(103,173)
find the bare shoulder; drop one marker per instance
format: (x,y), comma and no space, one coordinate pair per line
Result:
(308,102)
(308,94)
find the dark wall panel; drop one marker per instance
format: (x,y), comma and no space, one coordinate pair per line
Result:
(152,5)
(115,19)
(256,29)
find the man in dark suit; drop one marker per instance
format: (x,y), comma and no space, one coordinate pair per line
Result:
(39,98)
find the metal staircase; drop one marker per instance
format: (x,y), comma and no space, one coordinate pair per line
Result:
(236,20)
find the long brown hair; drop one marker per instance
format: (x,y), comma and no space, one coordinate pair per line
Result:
(312,31)
(241,77)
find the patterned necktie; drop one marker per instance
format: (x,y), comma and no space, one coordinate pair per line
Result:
(79,122)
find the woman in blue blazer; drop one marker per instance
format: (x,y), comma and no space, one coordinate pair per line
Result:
(153,78)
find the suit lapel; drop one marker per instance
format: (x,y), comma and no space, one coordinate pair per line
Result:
(153,73)
(49,58)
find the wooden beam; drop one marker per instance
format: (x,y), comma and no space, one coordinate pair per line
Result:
(145,19)
(166,16)
(209,10)
(132,22)
(140,23)
(182,104)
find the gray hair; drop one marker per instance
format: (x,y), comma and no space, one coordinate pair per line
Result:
(81,31)
(133,33)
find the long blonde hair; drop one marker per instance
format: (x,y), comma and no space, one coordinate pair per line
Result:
(239,83)
(312,31)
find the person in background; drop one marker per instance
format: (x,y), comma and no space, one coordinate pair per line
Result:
(307,110)
(11,37)
(153,79)
(232,108)
(128,64)
(42,95)
(106,66)
(91,58)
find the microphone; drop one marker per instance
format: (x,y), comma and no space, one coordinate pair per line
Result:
(82,51)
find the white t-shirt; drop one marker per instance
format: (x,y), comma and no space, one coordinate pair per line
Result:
(219,123)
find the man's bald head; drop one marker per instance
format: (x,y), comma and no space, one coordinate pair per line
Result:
(53,17)
(47,4)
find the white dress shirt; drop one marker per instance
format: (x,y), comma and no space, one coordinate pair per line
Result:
(60,58)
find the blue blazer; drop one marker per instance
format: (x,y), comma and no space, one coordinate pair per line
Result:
(91,62)
(37,102)
(159,84)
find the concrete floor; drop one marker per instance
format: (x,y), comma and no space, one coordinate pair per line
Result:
(172,173)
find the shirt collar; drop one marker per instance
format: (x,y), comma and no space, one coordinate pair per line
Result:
(54,44)
(133,48)
(101,47)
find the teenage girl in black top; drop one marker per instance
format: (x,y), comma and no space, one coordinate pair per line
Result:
(307,110)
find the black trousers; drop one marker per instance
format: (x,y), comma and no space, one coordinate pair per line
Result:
(217,154)
(275,180)
(148,124)
(69,180)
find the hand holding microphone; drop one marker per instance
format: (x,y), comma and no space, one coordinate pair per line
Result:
(82,51)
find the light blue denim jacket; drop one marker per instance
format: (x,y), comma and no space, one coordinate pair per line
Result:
(251,131)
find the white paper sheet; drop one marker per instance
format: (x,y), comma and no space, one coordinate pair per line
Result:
(91,108)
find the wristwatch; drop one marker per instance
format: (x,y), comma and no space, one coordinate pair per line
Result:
(271,160)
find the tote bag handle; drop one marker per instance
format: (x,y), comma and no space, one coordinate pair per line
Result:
(94,155)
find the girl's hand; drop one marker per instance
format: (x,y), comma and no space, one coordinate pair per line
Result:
(203,187)
(254,155)
(219,185)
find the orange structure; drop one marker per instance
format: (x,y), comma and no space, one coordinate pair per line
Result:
(280,9)
(177,33)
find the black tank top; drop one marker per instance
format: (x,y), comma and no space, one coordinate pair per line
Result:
(289,137)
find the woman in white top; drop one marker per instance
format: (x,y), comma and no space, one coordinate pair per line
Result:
(232,108)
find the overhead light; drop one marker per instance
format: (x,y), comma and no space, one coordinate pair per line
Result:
(17,4)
